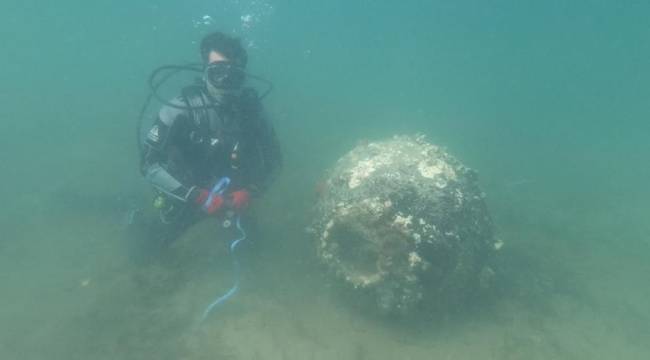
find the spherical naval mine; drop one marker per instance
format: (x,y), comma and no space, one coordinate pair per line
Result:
(404,225)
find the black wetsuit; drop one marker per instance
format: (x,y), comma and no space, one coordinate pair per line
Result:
(189,150)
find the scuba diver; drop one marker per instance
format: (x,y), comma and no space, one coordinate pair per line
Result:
(215,130)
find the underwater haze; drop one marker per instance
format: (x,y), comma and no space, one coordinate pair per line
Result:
(547,100)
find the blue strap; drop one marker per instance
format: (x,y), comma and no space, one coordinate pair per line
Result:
(236,271)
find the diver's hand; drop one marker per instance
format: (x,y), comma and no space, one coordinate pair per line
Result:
(239,200)
(209,204)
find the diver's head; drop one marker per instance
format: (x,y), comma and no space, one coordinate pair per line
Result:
(224,59)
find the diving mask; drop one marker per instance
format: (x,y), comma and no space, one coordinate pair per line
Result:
(225,75)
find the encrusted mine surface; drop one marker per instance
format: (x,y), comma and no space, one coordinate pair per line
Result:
(404,223)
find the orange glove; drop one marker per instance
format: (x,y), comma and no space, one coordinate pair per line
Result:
(239,199)
(209,205)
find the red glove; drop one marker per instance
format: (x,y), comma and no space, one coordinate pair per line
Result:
(215,203)
(239,199)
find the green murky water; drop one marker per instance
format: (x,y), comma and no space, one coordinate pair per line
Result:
(547,100)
